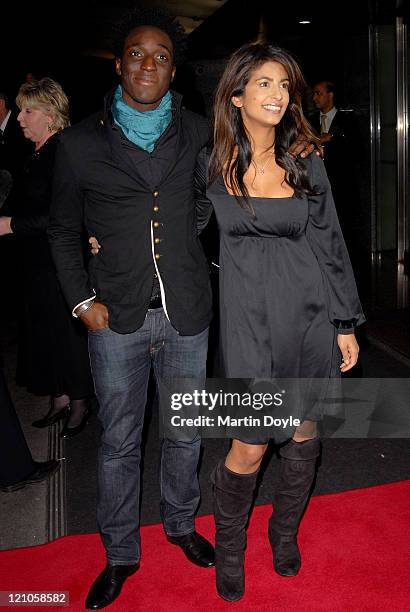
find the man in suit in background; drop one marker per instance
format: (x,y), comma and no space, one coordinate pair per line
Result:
(334,126)
(337,133)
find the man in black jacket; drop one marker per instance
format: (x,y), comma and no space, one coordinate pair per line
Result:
(127,176)
(335,126)
(338,131)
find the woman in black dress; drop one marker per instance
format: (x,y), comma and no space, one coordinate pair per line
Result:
(287,292)
(53,356)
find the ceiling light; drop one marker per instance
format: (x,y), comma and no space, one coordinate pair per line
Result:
(305,21)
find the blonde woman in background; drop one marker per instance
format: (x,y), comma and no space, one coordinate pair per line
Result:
(53,356)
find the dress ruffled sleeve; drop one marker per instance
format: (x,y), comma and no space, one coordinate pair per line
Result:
(326,240)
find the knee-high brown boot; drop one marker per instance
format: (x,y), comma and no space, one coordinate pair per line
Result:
(233,497)
(297,471)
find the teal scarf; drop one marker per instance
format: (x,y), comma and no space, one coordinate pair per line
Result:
(142,128)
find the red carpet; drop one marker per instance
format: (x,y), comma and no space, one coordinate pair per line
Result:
(355,548)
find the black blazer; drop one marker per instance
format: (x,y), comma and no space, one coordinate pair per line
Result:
(342,131)
(96,185)
(339,149)
(340,127)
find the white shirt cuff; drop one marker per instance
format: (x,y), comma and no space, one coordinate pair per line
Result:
(91,299)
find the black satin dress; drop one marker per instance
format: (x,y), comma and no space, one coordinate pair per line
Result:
(286,283)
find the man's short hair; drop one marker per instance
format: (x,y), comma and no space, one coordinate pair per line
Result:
(150,17)
(330,86)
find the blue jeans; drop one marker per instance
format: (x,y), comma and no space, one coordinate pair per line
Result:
(121,365)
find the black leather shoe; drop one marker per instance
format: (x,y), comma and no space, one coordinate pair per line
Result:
(108,585)
(51,417)
(198,550)
(43,470)
(70,432)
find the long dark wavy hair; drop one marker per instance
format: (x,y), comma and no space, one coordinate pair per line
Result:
(232,151)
